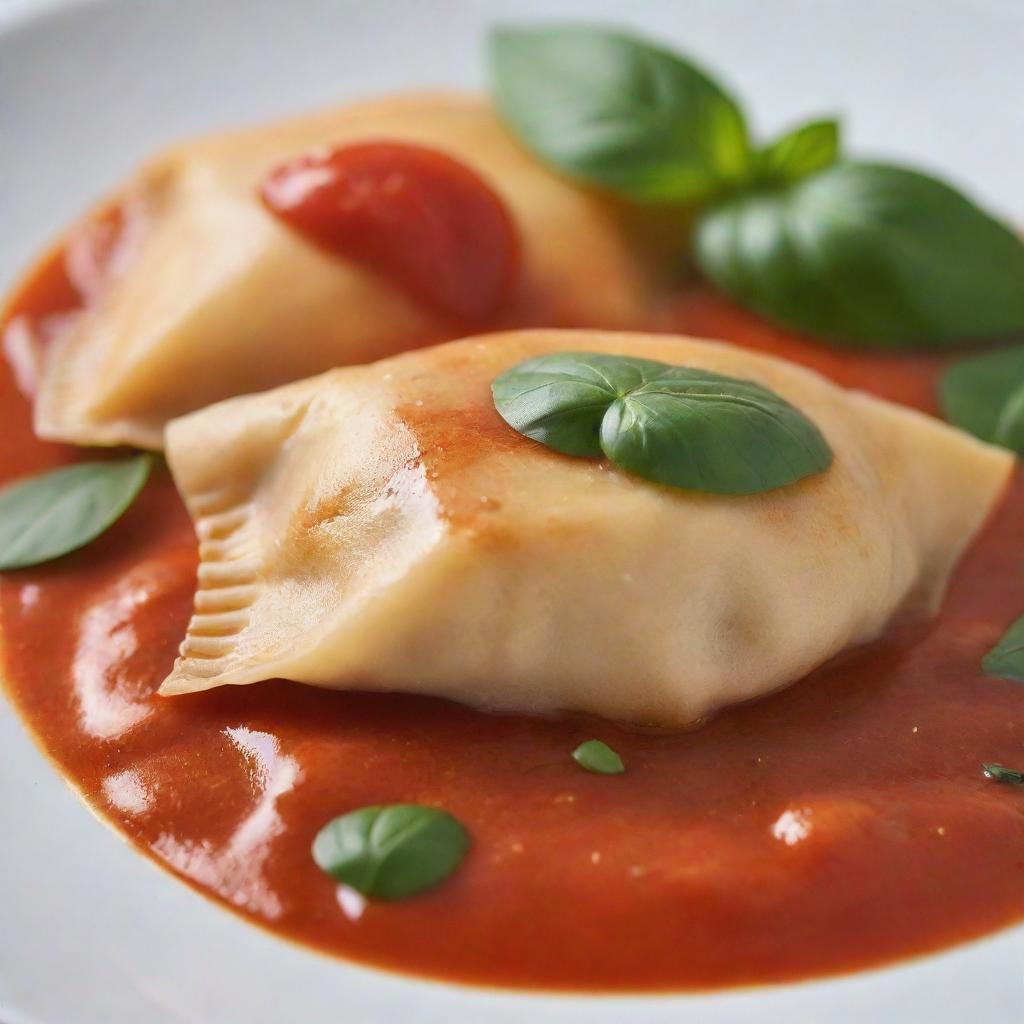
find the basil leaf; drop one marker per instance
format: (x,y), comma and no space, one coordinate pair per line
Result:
(687,428)
(1000,773)
(1006,659)
(47,516)
(561,399)
(867,253)
(619,112)
(985,396)
(599,758)
(805,150)
(391,852)
(705,432)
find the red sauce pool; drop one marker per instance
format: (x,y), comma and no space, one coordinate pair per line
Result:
(839,824)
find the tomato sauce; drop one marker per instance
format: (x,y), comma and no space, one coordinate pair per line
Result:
(841,823)
(416,216)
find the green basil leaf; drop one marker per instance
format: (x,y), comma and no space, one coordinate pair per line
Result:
(619,112)
(561,399)
(674,425)
(701,431)
(866,253)
(1000,773)
(811,147)
(47,516)
(391,852)
(599,758)
(984,395)
(1006,659)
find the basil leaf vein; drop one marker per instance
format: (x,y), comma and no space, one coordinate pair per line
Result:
(619,112)
(599,758)
(393,851)
(984,395)
(50,515)
(680,426)
(867,253)
(1006,659)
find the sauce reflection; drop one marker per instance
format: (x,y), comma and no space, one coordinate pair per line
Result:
(110,698)
(128,793)
(235,869)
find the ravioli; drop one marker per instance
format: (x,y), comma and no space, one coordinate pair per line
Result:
(213,296)
(381,528)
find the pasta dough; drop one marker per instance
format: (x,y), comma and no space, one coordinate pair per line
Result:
(381,527)
(213,296)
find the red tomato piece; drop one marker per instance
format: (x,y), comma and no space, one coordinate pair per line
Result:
(412,214)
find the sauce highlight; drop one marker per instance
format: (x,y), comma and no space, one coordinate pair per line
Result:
(841,823)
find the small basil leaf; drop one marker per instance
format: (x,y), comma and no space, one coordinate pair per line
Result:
(1000,773)
(47,516)
(871,254)
(561,399)
(984,395)
(687,428)
(805,150)
(391,852)
(1006,659)
(599,758)
(619,112)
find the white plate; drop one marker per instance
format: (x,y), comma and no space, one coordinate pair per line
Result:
(90,933)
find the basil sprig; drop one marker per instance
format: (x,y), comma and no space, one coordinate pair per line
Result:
(599,758)
(1006,659)
(860,253)
(985,396)
(55,513)
(619,113)
(391,852)
(675,425)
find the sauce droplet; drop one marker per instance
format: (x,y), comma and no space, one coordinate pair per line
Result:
(414,215)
